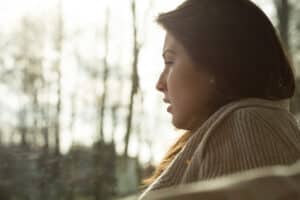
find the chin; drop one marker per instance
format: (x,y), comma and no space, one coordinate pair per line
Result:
(187,124)
(179,124)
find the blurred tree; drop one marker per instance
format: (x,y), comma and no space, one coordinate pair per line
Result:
(58,45)
(295,104)
(102,99)
(70,192)
(285,13)
(134,75)
(55,176)
(28,60)
(139,34)
(283,9)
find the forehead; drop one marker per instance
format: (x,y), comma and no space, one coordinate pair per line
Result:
(171,43)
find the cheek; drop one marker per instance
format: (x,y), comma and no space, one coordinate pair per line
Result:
(176,86)
(187,89)
(189,97)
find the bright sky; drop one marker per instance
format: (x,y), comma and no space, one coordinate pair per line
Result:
(89,15)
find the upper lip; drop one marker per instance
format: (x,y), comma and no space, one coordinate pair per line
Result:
(166,100)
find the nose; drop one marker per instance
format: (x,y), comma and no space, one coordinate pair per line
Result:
(161,83)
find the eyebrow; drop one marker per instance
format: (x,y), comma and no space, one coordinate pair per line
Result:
(168,51)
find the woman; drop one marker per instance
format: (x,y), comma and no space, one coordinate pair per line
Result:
(228,83)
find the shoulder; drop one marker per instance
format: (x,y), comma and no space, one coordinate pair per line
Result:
(243,124)
(260,121)
(248,111)
(256,115)
(257,125)
(248,137)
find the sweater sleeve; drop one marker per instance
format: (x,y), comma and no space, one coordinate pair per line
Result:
(246,139)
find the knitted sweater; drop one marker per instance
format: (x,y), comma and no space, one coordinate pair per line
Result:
(241,135)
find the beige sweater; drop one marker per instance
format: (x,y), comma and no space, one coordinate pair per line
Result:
(241,135)
(268,183)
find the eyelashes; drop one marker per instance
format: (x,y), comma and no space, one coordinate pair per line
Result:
(169,62)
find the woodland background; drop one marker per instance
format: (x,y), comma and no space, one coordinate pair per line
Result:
(80,117)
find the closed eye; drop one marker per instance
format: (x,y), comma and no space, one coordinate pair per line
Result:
(169,63)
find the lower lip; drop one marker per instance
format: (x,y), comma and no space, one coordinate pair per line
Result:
(169,109)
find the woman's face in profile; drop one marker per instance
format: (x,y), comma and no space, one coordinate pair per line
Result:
(185,86)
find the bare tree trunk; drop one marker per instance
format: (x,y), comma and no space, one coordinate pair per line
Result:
(46,121)
(35,116)
(1,137)
(134,77)
(102,102)
(70,189)
(56,165)
(23,136)
(283,9)
(58,47)
(23,128)
(100,145)
(45,132)
(114,122)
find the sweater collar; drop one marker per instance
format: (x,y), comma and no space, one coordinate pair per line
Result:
(283,104)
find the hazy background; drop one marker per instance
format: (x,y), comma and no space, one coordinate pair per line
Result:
(80,116)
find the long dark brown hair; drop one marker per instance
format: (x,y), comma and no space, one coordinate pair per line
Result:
(236,42)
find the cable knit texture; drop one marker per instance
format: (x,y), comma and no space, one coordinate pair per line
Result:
(241,135)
